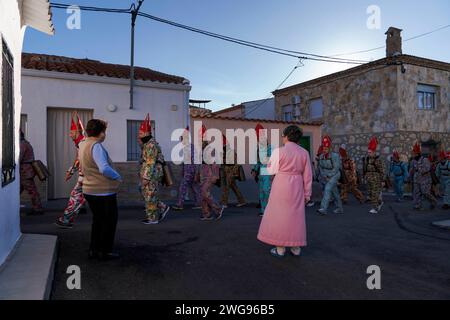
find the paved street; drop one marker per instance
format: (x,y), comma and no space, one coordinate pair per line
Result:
(184,258)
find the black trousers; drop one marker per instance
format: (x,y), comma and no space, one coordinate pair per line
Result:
(104,222)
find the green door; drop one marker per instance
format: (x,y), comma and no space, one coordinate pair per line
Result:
(305,142)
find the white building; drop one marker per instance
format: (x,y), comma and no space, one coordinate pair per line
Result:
(15,15)
(257,109)
(53,87)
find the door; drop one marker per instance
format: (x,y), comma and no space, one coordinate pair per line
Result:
(61,151)
(305,142)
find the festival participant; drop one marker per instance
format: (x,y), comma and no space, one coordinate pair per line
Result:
(374,176)
(283,224)
(421,178)
(188,181)
(76,200)
(443,173)
(399,170)
(350,182)
(208,175)
(151,174)
(100,186)
(27,175)
(231,172)
(329,168)
(259,170)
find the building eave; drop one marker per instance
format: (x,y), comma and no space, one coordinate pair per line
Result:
(105,80)
(216,117)
(390,61)
(37,14)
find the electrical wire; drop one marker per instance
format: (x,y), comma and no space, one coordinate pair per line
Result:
(254,108)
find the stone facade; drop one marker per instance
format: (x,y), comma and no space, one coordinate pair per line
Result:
(379,98)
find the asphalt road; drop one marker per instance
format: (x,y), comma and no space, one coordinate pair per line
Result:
(184,258)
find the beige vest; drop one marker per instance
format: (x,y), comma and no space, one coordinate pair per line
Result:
(94,182)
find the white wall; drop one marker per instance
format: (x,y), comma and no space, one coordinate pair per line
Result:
(41,90)
(12,33)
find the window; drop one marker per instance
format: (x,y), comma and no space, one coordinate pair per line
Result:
(8,161)
(316,109)
(133,148)
(287,113)
(426,97)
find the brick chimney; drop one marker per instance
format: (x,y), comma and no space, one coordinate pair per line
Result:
(393,42)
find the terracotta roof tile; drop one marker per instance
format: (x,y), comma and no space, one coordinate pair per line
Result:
(212,116)
(94,68)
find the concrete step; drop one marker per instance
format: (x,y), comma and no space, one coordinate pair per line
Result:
(28,272)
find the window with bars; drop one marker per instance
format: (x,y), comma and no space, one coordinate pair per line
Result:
(287,113)
(133,148)
(8,161)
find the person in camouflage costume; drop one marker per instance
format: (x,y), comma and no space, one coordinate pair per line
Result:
(329,168)
(231,173)
(188,179)
(259,170)
(209,173)
(27,175)
(421,178)
(351,181)
(443,173)
(76,199)
(374,176)
(399,171)
(151,174)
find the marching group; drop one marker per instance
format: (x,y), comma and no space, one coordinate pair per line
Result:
(284,181)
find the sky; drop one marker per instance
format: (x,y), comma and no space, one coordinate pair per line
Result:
(227,73)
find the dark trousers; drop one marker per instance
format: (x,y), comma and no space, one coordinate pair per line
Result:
(104,222)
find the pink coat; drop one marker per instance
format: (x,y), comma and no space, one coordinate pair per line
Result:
(283,223)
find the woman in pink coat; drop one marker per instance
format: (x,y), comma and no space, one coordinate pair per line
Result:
(283,224)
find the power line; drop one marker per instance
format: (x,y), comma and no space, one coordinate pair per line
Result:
(285,52)
(257,106)
(382,47)
(272,49)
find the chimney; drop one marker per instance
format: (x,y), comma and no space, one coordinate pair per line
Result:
(393,42)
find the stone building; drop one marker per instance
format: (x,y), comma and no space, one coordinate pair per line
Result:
(400,99)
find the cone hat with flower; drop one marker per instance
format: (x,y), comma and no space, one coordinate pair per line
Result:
(146,128)
(417,149)
(373,144)
(76,129)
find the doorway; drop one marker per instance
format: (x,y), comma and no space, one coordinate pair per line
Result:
(61,151)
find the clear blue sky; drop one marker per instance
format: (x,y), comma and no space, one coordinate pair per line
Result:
(227,73)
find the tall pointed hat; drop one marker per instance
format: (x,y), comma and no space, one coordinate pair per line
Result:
(146,128)
(76,129)
(373,143)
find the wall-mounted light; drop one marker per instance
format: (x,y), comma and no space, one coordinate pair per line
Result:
(111,108)
(174,107)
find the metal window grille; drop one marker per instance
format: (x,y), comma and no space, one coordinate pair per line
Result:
(8,159)
(133,148)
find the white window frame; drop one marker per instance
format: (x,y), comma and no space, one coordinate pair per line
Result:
(426,97)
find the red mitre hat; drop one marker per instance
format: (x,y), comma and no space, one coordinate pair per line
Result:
(146,128)
(326,142)
(76,129)
(373,144)
(343,152)
(442,155)
(258,128)
(417,148)
(396,155)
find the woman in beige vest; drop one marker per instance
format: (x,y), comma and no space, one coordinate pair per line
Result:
(100,186)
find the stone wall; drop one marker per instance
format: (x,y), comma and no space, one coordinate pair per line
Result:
(413,119)
(356,144)
(358,103)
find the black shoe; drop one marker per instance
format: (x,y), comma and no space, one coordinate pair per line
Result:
(445,207)
(109,256)
(63,225)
